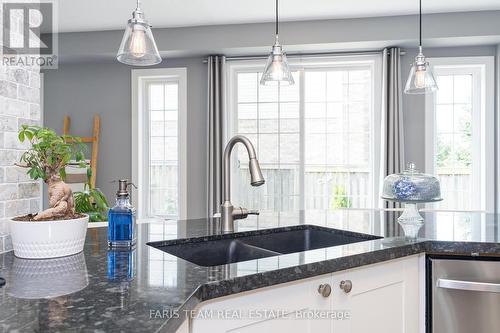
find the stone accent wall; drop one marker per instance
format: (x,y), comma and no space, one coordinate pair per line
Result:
(19,104)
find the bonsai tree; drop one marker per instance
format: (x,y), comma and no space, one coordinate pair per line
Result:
(46,159)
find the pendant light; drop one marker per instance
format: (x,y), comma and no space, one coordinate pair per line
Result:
(138,47)
(421,80)
(277,69)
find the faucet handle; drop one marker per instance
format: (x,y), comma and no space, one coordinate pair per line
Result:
(242,213)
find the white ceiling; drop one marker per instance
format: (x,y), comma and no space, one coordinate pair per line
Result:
(92,15)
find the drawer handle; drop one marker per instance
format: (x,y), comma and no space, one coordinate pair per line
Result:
(346,285)
(468,285)
(325,290)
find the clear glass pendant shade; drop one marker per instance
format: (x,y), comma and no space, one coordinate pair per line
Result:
(277,68)
(138,47)
(421,79)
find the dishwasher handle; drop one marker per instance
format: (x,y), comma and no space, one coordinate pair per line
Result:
(468,285)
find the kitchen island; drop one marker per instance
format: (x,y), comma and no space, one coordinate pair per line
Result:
(147,290)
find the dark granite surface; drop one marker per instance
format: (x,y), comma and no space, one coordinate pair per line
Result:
(101,291)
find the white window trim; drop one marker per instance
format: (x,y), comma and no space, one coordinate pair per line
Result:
(230,117)
(485,66)
(140,77)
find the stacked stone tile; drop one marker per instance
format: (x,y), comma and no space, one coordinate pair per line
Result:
(19,104)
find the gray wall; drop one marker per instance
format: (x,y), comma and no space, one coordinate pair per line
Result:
(90,81)
(82,90)
(444,29)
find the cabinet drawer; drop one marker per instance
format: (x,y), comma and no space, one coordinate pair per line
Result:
(291,297)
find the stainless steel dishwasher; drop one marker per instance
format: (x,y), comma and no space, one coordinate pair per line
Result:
(465,296)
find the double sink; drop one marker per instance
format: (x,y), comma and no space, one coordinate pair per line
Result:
(236,247)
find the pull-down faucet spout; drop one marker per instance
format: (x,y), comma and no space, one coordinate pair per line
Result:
(228,212)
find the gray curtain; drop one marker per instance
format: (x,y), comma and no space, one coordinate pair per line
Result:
(216,111)
(392,157)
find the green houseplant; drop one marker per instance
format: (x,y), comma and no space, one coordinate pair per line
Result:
(91,201)
(58,230)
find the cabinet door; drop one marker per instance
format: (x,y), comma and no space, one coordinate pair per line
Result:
(268,308)
(384,298)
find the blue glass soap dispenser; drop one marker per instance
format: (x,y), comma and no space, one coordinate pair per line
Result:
(121,218)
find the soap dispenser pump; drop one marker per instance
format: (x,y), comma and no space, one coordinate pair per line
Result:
(121,218)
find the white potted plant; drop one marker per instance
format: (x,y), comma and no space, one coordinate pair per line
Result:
(57,231)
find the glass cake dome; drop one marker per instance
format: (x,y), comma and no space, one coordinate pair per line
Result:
(411,186)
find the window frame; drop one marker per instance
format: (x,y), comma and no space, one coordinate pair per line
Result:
(141,78)
(482,69)
(314,63)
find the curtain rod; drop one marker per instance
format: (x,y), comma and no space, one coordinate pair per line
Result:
(299,55)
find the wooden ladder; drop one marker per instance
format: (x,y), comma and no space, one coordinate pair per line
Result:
(94,140)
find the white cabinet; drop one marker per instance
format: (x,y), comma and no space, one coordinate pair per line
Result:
(272,309)
(384,298)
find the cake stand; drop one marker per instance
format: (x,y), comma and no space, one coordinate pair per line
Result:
(410,220)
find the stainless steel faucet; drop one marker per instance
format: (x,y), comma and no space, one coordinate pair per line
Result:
(228,212)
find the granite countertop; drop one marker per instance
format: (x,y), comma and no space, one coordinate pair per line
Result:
(140,290)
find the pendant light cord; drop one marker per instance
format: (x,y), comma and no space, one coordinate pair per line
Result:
(138,4)
(276,18)
(420,23)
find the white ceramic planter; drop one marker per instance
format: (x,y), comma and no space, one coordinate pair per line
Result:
(48,239)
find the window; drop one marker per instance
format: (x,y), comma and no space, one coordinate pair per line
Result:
(460,132)
(315,140)
(159,129)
